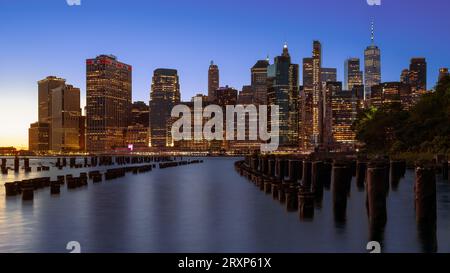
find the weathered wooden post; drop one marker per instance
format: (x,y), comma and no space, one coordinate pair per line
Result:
(11,188)
(376,196)
(445,170)
(291,198)
(282,192)
(341,186)
(327,173)
(396,173)
(26,163)
(16,164)
(426,208)
(294,166)
(318,179)
(425,192)
(280,169)
(306,204)
(361,168)
(55,187)
(306,181)
(271,167)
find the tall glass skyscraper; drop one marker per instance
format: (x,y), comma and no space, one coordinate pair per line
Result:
(165,94)
(282,83)
(372,66)
(213,81)
(311,100)
(259,81)
(352,74)
(418,74)
(108,102)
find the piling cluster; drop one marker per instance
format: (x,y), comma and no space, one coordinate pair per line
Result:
(16,166)
(164,165)
(146,163)
(299,183)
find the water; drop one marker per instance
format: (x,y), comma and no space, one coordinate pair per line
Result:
(201,208)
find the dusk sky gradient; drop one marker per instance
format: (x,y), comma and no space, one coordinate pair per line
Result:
(42,38)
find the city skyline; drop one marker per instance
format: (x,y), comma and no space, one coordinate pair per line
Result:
(193,81)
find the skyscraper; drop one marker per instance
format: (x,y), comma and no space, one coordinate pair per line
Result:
(345,109)
(372,65)
(108,102)
(226,96)
(138,130)
(352,73)
(312,100)
(389,93)
(165,94)
(329,74)
(282,84)
(418,74)
(213,81)
(38,137)
(259,81)
(306,100)
(58,128)
(443,72)
(317,94)
(65,119)
(246,96)
(404,77)
(45,88)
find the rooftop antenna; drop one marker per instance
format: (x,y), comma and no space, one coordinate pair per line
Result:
(372,29)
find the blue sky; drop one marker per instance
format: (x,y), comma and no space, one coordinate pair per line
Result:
(41,38)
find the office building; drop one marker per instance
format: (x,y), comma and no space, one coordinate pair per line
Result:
(165,94)
(352,73)
(213,81)
(108,102)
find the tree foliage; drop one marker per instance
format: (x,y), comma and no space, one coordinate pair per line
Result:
(424,128)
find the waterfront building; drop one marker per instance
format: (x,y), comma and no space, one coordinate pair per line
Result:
(108,102)
(165,94)
(38,137)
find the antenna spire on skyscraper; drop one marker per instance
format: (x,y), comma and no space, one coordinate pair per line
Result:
(372,35)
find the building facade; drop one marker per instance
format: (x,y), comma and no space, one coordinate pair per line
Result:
(213,80)
(108,102)
(282,90)
(164,95)
(352,73)
(259,81)
(372,66)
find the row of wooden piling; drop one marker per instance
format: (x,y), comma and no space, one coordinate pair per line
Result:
(16,168)
(299,184)
(28,186)
(93,161)
(164,165)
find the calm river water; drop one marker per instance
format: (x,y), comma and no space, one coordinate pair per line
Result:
(200,208)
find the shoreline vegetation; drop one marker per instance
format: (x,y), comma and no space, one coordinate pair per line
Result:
(420,134)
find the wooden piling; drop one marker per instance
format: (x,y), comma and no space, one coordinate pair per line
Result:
(376,196)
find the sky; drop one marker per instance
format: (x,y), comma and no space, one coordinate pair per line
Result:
(40,38)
